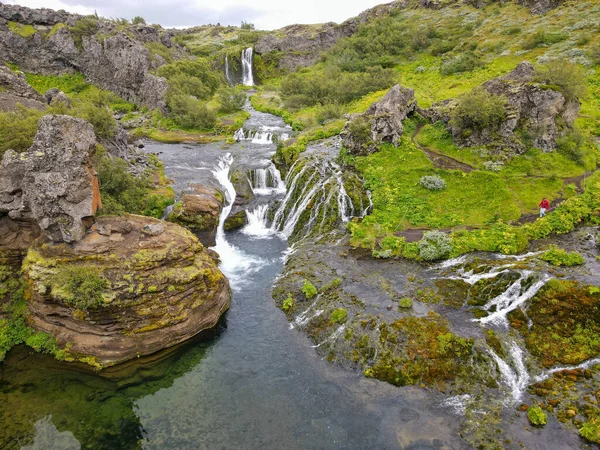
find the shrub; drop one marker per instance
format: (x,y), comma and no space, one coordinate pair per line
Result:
(339,315)
(100,117)
(230,99)
(309,289)
(80,287)
(329,112)
(433,183)
(465,62)
(86,26)
(479,110)
(188,112)
(559,257)
(138,20)
(434,245)
(17,129)
(537,417)
(405,303)
(360,129)
(247,25)
(543,38)
(564,76)
(288,303)
(571,145)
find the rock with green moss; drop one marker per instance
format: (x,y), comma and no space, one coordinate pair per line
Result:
(236,221)
(121,294)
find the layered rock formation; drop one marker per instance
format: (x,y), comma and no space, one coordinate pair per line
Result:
(110,58)
(544,113)
(199,210)
(53,184)
(157,288)
(383,120)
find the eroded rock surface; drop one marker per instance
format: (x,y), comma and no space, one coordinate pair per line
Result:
(384,119)
(53,184)
(199,211)
(14,90)
(161,288)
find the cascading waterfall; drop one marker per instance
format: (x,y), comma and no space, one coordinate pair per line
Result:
(247,73)
(227,75)
(263,136)
(266,181)
(516,377)
(257,222)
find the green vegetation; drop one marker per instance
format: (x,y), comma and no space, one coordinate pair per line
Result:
(339,315)
(17,129)
(230,99)
(288,303)
(537,417)
(559,257)
(591,430)
(564,76)
(405,303)
(434,245)
(84,27)
(80,287)
(309,289)
(25,31)
(479,110)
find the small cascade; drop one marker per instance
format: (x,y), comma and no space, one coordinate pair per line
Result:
(257,225)
(263,136)
(266,181)
(167,212)
(227,74)
(331,339)
(316,199)
(516,377)
(247,71)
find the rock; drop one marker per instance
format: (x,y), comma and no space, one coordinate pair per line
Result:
(110,58)
(53,184)
(243,189)
(236,220)
(15,89)
(154,291)
(199,211)
(384,119)
(540,6)
(154,229)
(55,95)
(544,113)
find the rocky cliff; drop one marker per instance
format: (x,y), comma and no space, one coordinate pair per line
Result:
(110,55)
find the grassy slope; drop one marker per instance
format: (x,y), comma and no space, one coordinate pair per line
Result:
(481,197)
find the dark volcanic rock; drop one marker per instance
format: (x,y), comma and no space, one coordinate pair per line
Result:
(53,184)
(384,119)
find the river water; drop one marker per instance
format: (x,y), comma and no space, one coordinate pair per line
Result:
(255,383)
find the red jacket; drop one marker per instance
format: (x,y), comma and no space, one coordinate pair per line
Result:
(545,204)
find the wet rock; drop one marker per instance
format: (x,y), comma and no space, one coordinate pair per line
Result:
(383,119)
(243,189)
(15,89)
(53,184)
(236,220)
(152,292)
(199,211)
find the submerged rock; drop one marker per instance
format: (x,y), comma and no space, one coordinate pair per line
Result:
(53,184)
(122,294)
(383,120)
(199,211)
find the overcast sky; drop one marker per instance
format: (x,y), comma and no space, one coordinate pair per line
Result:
(265,14)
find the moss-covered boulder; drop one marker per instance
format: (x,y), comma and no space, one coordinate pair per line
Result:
(131,287)
(199,211)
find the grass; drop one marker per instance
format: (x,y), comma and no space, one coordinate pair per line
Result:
(25,31)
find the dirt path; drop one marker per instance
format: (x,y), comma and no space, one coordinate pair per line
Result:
(440,161)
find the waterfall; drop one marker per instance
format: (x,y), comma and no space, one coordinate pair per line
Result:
(235,264)
(266,181)
(227,75)
(516,379)
(247,75)
(257,222)
(264,136)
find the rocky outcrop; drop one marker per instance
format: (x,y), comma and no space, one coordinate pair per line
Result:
(112,59)
(54,96)
(199,211)
(14,90)
(156,286)
(53,184)
(540,6)
(383,120)
(542,112)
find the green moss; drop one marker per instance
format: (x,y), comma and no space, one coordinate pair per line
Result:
(25,31)
(339,315)
(288,303)
(537,417)
(405,303)
(591,430)
(309,289)
(79,286)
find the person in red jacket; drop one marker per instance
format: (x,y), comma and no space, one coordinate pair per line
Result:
(544,207)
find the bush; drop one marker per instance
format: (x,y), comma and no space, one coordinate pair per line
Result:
(309,289)
(339,315)
(360,129)
(230,99)
(288,303)
(433,183)
(80,287)
(86,26)
(564,76)
(405,303)
(465,62)
(17,129)
(537,417)
(188,112)
(434,245)
(329,112)
(571,145)
(559,257)
(138,20)
(479,110)
(543,38)
(100,117)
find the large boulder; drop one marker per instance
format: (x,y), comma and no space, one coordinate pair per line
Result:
(199,210)
(53,184)
(383,121)
(540,111)
(150,285)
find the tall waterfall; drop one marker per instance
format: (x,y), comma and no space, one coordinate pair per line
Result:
(247,75)
(227,74)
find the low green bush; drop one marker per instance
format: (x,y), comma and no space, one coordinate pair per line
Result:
(559,257)
(537,417)
(434,245)
(564,76)
(309,289)
(80,286)
(17,129)
(288,303)
(433,182)
(542,38)
(189,112)
(479,110)
(464,62)
(230,99)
